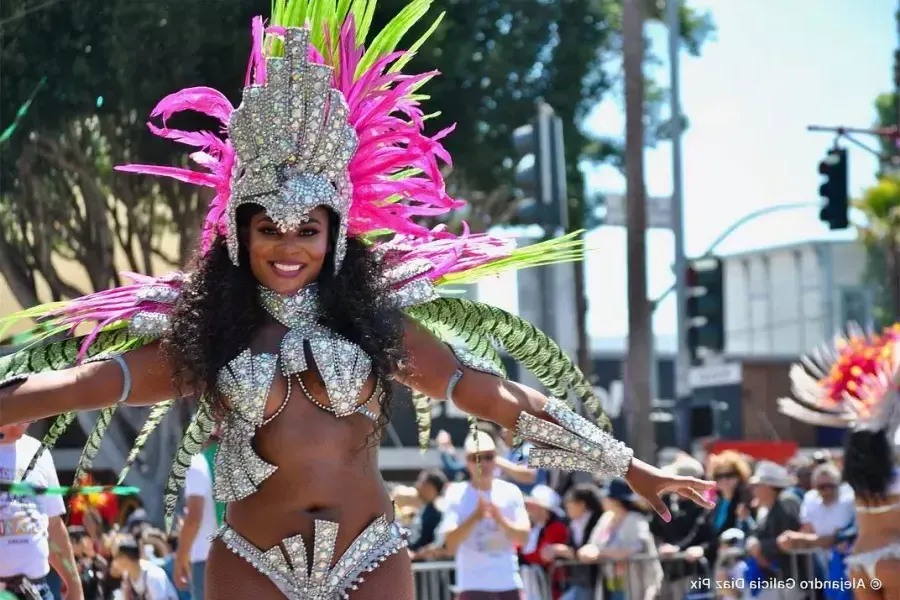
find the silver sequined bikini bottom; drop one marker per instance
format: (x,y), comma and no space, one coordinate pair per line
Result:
(286,565)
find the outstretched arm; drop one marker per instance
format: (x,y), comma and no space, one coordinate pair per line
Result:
(88,387)
(431,368)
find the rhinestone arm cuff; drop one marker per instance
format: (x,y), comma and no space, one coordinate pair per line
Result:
(575,444)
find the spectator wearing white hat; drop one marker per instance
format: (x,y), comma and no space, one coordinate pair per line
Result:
(778,510)
(484,522)
(547,530)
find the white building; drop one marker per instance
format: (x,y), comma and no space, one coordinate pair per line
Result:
(785,300)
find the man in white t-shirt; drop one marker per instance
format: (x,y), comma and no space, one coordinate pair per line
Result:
(826,509)
(484,522)
(33,536)
(199,523)
(141,579)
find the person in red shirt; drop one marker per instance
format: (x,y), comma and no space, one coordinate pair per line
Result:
(547,529)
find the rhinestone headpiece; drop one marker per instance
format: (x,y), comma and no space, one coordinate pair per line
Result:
(293,143)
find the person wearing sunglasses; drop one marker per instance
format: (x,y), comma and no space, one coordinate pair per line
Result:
(731,472)
(484,524)
(826,511)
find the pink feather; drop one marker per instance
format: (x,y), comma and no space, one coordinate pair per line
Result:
(109,306)
(256,69)
(204,100)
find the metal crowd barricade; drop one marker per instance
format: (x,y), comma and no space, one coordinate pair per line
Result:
(434,580)
(682,578)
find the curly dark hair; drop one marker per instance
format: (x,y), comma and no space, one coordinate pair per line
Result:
(868,463)
(218,313)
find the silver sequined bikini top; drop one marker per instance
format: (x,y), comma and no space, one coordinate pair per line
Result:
(343,365)
(247,380)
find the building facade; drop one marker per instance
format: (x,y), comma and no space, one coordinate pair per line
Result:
(783,301)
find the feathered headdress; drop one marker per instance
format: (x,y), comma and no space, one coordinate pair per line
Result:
(852,384)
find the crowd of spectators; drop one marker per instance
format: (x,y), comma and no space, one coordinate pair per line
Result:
(592,539)
(496,523)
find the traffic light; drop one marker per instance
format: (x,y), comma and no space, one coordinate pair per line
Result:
(834,190)
(705,308)
(540,171)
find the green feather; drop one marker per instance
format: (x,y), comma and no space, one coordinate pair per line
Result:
(422,407)
(195,435)
(58,355)
(53,434)
(157,414)
(521,340)
(326,15)
(564,249)
(92,447)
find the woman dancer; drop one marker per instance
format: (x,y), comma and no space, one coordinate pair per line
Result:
(855,386)
(294,319)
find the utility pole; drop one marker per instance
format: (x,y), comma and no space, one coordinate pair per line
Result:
(641,433)
(682,361)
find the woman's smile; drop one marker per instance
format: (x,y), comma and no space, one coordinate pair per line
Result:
(287,269)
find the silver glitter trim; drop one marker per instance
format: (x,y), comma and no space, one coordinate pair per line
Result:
(293,142)
(406,271)
(574,444)
(158,293)
(246,381)
(413,293)
(149,324)
(475,362)
(286,565)
(343,365)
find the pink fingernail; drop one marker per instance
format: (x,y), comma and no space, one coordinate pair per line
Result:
(667,517)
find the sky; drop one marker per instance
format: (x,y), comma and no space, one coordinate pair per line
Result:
(772,68)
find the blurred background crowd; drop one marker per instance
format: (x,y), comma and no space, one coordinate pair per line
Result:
(588,538)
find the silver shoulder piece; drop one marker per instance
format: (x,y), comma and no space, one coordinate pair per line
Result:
(246,381)
(575,444)
(404,281)
(149,324)
(475,362)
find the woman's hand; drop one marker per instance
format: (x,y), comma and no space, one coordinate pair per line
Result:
(694,553)
(668,550)
(651,482)
(589,553)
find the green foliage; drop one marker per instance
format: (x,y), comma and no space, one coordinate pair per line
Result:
(886,109)
(108,62)
(880,205)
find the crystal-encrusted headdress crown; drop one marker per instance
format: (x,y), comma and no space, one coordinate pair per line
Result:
(293,143)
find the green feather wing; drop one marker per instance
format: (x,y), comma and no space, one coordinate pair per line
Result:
(196,434)
(59,355)
(521,340)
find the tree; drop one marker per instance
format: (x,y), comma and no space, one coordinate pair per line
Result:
(59,195)
(881,234)
(57,186)
(880,204)
(496,58)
